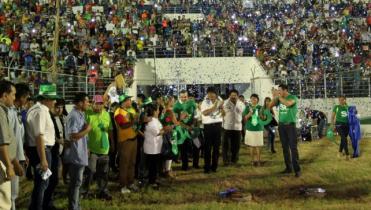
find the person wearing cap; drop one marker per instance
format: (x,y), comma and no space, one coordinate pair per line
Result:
(76,148)
(58,121)
(99,146)
(126,135)
(15,122)
(40,140)
(8,146)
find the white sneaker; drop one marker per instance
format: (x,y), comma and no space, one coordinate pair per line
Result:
(125,190)
(134,187)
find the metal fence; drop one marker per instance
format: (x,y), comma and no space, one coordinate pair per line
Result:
(67,84)
(182,9)
(350,83)
(195,51)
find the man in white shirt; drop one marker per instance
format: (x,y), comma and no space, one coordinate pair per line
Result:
(212,108)
(40,139)
(232,124)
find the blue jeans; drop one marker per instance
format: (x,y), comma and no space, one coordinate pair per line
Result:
(40,185)
(76,174)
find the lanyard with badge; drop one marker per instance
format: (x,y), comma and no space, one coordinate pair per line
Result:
(254,118)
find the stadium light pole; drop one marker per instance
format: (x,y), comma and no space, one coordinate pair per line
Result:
(56,42)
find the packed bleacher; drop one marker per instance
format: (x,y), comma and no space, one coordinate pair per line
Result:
(305,39)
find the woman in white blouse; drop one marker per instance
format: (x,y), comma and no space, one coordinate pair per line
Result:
(152,143)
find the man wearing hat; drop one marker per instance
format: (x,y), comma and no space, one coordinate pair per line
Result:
(40,140)
(125,118)
(99,145)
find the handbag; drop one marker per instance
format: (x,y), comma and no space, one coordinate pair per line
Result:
(273,122)
(166,149)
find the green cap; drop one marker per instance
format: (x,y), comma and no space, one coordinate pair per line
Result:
(123,98)
(147,101)
(48,91)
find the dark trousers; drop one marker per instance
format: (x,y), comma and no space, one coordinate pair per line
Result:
(140,164)
(289,146)
(343,130)
(40,185)
(271,137)
(54,178)
(231,146)
(98,166)
(186,148)
(153,164)
(212,133)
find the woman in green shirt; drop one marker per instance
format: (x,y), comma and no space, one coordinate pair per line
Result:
(254,130)
(340,120)
(169,121)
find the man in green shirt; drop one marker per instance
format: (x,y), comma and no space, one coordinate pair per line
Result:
(99,147)
(288,108)
(185,109)
(340,120)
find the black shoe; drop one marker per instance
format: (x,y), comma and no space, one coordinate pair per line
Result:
(196,167)
(273,151)
(105,196)
(52,208)
(206,171)
(155,186)
(213,170)
(298,174)
(286,171)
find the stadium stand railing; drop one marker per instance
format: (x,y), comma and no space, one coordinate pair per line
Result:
(67,84)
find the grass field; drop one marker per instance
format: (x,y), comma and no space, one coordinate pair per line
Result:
(348,184)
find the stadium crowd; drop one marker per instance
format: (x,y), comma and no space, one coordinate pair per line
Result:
(307,39)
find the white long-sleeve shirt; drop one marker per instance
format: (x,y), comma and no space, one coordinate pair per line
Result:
(152,140)
(233,115)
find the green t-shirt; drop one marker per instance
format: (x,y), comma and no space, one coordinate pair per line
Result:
(288,114)
(341,113)
(101,124)
(253,123)
(188,107)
